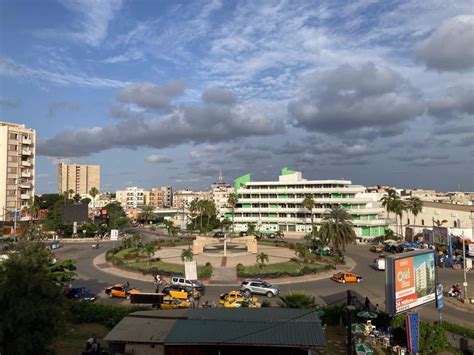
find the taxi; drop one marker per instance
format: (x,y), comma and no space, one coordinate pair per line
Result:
(345,276)
(170,302)
(121,291)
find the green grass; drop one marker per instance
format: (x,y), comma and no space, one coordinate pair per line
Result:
(164,268)
(288,268)
(74,341)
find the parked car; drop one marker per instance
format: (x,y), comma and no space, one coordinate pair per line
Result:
(121,290)
(219,234)
(377,248)
(236,299)
(345,276)
(80,293)
(181,292)
(54,245)
(174,303)
(180,281)
(243,234)
(259,287)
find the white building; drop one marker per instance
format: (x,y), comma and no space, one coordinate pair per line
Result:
(276,205)
(131,197)
(220,195)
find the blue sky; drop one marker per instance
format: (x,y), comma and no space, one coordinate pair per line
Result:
(169,92)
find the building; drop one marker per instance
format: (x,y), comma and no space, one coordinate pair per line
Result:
(78,178)
(131,197)
(202,331)
(220,195)
(155,198)
(17,162)
(276,205)
(167,196)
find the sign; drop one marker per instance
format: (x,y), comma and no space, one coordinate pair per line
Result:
(440,235)
(413,332)
(409,234)
(114,234)
(190,270)
(410,280)
(439,296)
(74,228)
(428,236)
(468,264)
(15,214)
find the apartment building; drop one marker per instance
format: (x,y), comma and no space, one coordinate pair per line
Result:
(78,178)
(17,162)
(277,205)
(131,197)
(155,197)
(167,196)
(220,195)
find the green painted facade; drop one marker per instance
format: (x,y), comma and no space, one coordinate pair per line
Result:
(286,171)
(242,180)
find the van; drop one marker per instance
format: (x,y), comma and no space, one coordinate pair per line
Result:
(182,282)
(379,263)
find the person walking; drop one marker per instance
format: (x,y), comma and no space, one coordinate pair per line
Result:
(367,303)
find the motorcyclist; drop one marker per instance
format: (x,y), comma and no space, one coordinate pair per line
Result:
(455,290)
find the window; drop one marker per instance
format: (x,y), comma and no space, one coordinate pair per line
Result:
(455,224)
(422,222)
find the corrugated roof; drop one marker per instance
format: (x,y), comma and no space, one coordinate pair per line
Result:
(141,330)
(253,314)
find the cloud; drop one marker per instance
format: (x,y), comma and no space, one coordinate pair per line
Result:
(367,98)
(9,103)
(130,55)
(450,47)
(94,19)
(9,68)
(158,159)
(219,96)
(147,95)
(206,123)
(66,105)
(457,102)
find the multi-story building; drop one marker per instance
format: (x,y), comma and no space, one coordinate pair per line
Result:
(167,196)
(131,197)
(155,198)
(220,195)
(277,205)
(78,178)
(183,198)
(17,167)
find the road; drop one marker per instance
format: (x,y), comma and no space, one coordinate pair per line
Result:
(326,291)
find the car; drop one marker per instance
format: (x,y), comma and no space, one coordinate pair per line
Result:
(236,299)
(54,245)
(174,303)
(243,234)
(80,294)
(183,293)
(345,276)
(181,281)
(379,263)
(259,287)
(219,234)
(121,291)
(377,248)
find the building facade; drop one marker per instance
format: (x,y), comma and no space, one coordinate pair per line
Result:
(220,195)
(131,197)
(277,205)
(17,162)
(167,192)
(78,178)
(155,198)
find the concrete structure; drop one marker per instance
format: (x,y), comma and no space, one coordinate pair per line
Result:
(220,194)
(459,218)
(167,192)
(131,197)
(17,167)
(79,178)
(183,198)
(155,198)
(199,243)
(276,205)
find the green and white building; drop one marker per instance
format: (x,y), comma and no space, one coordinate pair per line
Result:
(277,205)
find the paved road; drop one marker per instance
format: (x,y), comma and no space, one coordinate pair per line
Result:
(326,291)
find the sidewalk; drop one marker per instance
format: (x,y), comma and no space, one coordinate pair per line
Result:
(101,264)
(460,306)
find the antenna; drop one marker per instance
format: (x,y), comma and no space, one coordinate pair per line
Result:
(221,178)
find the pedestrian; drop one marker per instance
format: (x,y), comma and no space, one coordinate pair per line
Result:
(128,284)
(367,303)
(214,304)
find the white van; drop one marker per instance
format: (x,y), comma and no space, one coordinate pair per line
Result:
(379,263)
(181,281)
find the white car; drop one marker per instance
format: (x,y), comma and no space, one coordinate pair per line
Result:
(379,263)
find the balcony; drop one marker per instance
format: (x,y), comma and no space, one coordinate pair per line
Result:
(25,163)
(26,185)
(25,196)
(25,174)
(26,152)
(26,141)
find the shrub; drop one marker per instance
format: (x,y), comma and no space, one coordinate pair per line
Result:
(433,338)
(458,329)
(205,272)
(240,267)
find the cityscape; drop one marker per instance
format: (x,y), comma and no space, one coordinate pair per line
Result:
(217,177)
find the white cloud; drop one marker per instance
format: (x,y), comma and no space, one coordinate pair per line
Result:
(158,159)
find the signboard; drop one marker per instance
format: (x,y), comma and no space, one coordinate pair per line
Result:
(440,235)
(114,234)
(410,280)
(428,236)
(409,234)
(439,296)
(190,270)
(15,214)
(413,332)
(74,228)
(468,264)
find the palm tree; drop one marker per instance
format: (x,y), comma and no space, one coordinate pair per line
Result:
(398,207)
(70,193)
(168,225)
(148,250)
(33,208)
(415,206)
(309,204)
(93,192)
(194,209)
(251,227)
(209,210)
(232,202)
(147,213)
(76,198)
(337,228)
(187,255)
(387,201)
(261,259)
(297,299)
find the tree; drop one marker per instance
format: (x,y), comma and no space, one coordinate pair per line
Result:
(32,307)
(415,206)
(232,202)
(261,259)
(388,200)
(117,217)
(93,192)
(337,228)
(309,204)
(297,299)
(209,210)
(33,207)
(251,228)
(147,214)
(149,251)
(168,225)
(398,207)
(187,255)
(62,271)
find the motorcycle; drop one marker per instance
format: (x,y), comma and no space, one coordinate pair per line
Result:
(454,292)
(95,246)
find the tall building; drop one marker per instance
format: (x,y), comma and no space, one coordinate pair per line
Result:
(131,197)
(79,178)
(167,196)
(17,167)
(277,205)
(220,195)
(155,198)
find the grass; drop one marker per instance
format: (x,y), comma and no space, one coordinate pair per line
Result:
(164,268)
(74,341)
(288,268)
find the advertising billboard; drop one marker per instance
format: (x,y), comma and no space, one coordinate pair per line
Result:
(440,235)
(410,280)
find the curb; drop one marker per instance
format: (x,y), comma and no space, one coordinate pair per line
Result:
(459,306)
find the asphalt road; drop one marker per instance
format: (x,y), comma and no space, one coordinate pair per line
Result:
(326,291)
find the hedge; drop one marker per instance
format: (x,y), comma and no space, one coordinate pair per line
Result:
(458,329)
(289,268)
(163,268)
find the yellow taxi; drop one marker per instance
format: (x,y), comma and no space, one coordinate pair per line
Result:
(121,291)
(344,276)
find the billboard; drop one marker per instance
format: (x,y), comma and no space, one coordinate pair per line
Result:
(440,235)
(410,280)
(74,213)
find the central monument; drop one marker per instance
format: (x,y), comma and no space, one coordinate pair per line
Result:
(201,242)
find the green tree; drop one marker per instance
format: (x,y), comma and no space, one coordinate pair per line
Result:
(398,207)
(32,307)
(93,192)
(337,229)
(388,200)
(33,207)
(251,228)
(169,226)
(225,224)
(76,198)
(147,214)
(309,204)
(209,210)
(117,217)
(415,206)
(149,251)
(62,271)
(232,201)
(297,299)
(262,258)
(187,255)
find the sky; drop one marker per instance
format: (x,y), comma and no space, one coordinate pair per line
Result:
(169,92)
